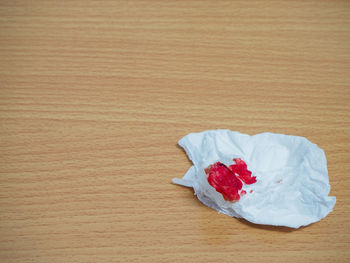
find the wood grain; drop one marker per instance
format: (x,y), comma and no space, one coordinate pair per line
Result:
(94,96)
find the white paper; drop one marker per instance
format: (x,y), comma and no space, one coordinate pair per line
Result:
(292,179)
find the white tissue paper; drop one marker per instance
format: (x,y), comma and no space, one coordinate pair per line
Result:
(291,187)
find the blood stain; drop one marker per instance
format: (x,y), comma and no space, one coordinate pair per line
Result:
(228,180)
(243,192)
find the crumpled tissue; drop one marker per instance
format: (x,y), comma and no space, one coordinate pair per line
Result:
(292,184)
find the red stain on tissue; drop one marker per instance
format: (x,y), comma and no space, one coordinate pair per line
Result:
(243,192)
(240,168)
(224,181)
(228,180)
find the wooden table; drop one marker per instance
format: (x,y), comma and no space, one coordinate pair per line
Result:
(94,96)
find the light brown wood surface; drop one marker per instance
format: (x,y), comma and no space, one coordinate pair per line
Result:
(94,96)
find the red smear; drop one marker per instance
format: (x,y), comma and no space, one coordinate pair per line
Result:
(251,191)
(224,181)
(227,180)
(240,168)
(279,181)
